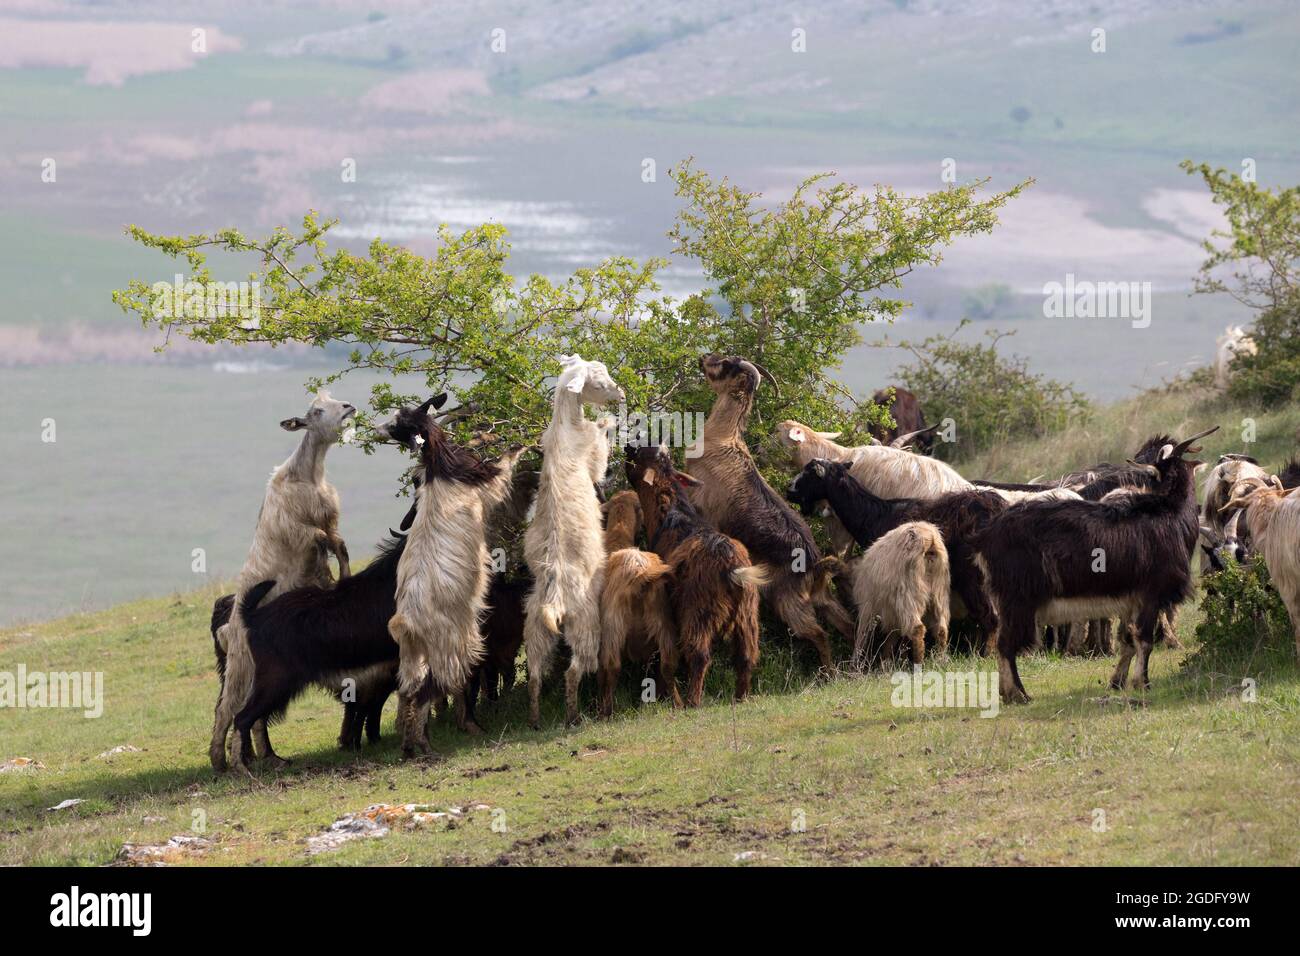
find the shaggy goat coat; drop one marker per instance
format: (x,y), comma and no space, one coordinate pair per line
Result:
(635,614)
(732,495)
(903,581)
(713,589)
(563,545)
(296,528)
(442,579)
(314,635)
(867,517)
(891,473)
(1274,516)
(1041,564)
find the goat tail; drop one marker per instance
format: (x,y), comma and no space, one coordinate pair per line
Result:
(753,575)
(252,598)
(824,571)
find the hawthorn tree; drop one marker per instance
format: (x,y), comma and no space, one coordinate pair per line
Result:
(787,285)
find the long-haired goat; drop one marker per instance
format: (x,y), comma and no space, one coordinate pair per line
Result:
(714,587)
(867,517)
(563,545)
(732,495)
(442,579)
(1274,516)
(314,635)
(297,524)
(903,581)
(362,694)
(635,614)
(1053,562)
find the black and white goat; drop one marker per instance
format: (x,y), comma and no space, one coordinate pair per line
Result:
(1055,562)
(958,516)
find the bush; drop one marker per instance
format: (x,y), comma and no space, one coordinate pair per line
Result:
(1272,376)
(1244,616)
(990,397)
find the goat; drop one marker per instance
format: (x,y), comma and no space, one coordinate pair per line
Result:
(362,694)
(714,587)
(322,635)
(906,412)
(563,544)
(297,524)
(1039,563)
(503,634)
(635,615)
(1289,476)
(1233,342)
(1274,516)
(442,579)
(867,517)
(732,495)
(903,580)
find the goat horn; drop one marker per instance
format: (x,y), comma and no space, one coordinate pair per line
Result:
(1230,529)
(776,388)
(902,440)
(1186,443)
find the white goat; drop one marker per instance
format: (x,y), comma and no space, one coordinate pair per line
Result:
(296,527)
(1274,518)
(1233,342)
(903,580)
(564,544)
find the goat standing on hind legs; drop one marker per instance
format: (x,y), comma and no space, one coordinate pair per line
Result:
(564,546)
(442,578)
(733,496)
(296,527)
(714,588)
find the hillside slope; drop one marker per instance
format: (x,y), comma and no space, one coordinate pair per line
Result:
(801,774)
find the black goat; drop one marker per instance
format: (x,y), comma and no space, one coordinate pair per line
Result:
(362,712)
(958,515)
(317,635)
(1041,563)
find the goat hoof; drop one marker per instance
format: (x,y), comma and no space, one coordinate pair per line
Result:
(1016,696)
(275,761)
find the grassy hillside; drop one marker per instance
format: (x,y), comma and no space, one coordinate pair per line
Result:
(1188,773)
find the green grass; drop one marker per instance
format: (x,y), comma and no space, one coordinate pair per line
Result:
(1187,773)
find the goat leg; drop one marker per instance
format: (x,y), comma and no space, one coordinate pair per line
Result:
(263,747)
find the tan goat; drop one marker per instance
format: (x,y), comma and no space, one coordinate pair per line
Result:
(903,580)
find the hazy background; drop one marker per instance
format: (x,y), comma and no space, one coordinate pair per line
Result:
(158,455)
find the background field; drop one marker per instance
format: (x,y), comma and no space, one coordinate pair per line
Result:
(1189,773)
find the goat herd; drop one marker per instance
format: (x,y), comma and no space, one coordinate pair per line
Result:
(427,619)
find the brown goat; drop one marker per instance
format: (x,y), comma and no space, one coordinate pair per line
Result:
(636,617)
(734,497)
(714,588)
(906,412)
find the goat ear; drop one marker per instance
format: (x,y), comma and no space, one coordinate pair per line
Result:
(293,424)
(649,476)
(685,480)
(796,434)
(438,400)
(578,381)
